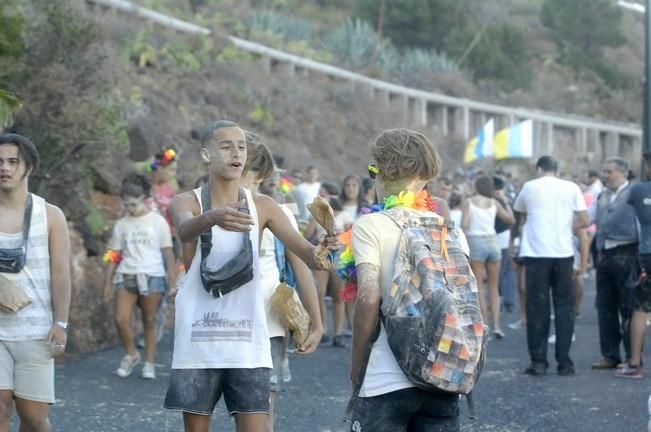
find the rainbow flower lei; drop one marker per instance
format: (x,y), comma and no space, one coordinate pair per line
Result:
(346,264)
(163,158)
(285,185)
(112,256)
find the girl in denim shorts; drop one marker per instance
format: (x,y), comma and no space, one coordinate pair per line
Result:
(141,241)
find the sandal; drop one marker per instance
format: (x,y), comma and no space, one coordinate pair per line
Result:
(337,342)
(499,334)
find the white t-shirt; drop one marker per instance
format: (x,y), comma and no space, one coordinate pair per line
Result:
(352,210)
(228,332)
(270,276)
(375,241)
(457,216)
(549,204)
(140,239)
(305,194)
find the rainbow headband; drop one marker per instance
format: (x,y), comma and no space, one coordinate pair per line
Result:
(346,269)
(163,159)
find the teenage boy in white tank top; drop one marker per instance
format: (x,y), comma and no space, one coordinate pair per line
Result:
(221,345)
(33,335)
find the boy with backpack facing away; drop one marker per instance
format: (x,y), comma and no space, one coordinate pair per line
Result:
(394,393)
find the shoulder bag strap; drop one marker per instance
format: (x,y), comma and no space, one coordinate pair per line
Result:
(27,221)
(206,236)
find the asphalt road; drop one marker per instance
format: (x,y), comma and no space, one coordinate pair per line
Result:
(91,398)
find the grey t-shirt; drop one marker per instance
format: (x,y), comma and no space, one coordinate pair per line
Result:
(640,200)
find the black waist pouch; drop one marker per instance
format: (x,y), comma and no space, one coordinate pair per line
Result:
(238,270)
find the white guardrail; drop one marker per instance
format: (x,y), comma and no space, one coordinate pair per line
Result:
(548,118)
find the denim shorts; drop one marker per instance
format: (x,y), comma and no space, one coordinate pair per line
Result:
(197,391)
(155,285)
(277,355)
(484,248)
(411,410)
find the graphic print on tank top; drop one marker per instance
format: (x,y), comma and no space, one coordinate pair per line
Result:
(229,317)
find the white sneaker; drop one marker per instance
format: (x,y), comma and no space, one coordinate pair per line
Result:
(127,364)
(552,338)
(516,325)
(148,371)
(287,374)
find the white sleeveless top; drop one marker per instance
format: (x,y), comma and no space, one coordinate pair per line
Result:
(270,276)
(481,220)
(228,332)
(34,321)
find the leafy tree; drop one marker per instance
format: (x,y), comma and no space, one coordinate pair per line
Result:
(500,54)
(582,29)
(417,23)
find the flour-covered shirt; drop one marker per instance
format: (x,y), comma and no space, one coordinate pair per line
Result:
(228,332)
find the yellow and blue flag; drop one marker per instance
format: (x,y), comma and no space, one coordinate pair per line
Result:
(515,142)
(481,146)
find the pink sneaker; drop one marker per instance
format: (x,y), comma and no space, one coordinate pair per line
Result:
(630,371)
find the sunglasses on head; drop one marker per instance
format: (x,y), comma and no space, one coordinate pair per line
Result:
(373,171)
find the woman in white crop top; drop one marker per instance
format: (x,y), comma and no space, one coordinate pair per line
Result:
(479,213)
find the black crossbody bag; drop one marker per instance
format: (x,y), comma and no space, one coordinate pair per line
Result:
(13,260)
(238,270)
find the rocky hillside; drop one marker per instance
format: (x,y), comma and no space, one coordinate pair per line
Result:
(125,88)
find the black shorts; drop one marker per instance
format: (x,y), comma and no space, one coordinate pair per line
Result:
(411,410)
(197,391)
(642,293)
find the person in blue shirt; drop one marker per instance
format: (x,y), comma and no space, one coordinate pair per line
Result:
(640,200)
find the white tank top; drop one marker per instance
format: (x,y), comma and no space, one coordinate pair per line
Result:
(34,321)
(481,220)
(228,332)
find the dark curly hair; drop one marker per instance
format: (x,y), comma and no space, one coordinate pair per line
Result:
(135,185)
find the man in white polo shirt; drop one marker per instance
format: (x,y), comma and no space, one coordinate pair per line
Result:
(551,209)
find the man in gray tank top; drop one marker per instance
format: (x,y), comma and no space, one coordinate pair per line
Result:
(34,264)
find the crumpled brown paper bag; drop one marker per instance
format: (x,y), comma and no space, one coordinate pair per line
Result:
(12,297)
(291,312)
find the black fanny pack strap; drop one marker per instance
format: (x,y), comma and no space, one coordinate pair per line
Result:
(206,205)
(27,221)
(206,236)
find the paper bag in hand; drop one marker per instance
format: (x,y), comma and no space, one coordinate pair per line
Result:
(12,297)
(322,213)
(292,313)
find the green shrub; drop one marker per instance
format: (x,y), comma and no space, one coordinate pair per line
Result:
(140,51)
(417,63)
(9,105)
(261,116)
(290,28)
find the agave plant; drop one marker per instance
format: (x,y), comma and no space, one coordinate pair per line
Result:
(417,64)
(290,28)
(9,105)
(355,44)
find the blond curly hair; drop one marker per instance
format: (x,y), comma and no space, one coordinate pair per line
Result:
(403,154)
